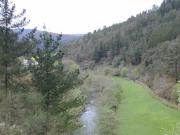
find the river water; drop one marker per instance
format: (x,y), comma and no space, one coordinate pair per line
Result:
(89,120)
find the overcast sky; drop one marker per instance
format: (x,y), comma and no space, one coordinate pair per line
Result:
(80,16)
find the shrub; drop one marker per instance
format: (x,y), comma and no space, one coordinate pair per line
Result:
(176,93)
(35,124)
(116,61)
(124,72)
(107,105)
(174,130)
(107,71)
(70,65)
(135,74)
(116,72)
(108,123)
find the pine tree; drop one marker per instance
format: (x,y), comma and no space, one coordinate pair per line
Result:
(11,47)
(48,59)
(99,52)
(50,78)
(173,57)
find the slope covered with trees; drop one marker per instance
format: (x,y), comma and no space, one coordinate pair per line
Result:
(149,41)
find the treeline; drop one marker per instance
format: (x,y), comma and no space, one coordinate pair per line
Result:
(35,89)
(151,39)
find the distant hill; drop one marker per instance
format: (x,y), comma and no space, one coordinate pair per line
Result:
(133,40)
(65,37)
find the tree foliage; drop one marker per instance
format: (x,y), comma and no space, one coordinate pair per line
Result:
(53,82)
(11,48)
(138,41)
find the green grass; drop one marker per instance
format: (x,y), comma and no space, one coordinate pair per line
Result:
(142,114)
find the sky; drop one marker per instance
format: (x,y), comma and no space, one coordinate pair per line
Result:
(80,16)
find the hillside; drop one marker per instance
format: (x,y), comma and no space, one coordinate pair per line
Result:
(132,39)
(149,42)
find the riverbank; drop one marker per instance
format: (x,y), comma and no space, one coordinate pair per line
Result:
(103,98)
(141,114)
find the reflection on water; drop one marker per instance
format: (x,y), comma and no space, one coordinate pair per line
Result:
(88,120)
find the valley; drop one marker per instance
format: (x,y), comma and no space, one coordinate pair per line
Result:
(120,79)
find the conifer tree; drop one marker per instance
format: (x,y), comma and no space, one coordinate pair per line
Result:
(50,78)
(11,47)
(48,59)
(173,57)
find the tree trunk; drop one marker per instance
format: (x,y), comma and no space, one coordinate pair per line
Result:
(6,40)
(47,109)
(176,70)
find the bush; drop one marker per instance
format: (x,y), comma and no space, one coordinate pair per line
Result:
(176,93)
(107,72)
(175,130)
(116,72)
(124,72)
(70,65)
(108,123)
(135,74)
(107,105)
(35,124)
(116,61)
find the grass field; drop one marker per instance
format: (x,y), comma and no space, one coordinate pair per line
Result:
(142,114)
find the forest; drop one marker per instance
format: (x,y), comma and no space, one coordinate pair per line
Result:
(119,80)
(147,45)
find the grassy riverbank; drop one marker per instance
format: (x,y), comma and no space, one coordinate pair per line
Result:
(141,114)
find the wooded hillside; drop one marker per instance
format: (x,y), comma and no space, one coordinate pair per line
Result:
(150,40)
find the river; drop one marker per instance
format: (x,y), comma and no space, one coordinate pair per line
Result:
(88,119)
